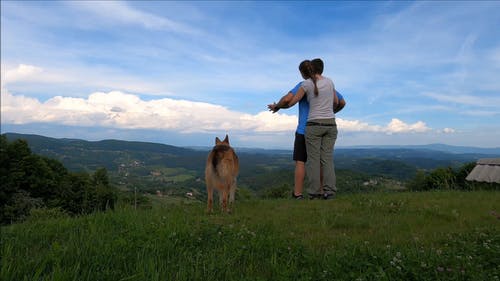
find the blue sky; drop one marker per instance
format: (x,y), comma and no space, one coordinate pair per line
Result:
(182,73)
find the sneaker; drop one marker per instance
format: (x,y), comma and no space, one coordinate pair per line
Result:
(329,196)
(298,197)
(315,196)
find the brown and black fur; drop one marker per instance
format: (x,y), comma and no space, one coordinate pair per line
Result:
(220,173)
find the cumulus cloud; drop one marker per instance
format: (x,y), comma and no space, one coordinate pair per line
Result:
(398,126)
(118,109)
(122,110)
(23,72)
(26,73)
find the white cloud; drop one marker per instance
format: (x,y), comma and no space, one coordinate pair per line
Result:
(22,72)
(121,13)
(395,126)
(468,100)
(117,109)
(356,126)
(35,78)
(398,126)
(121,110)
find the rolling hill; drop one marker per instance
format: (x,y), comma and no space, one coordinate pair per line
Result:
(153,166)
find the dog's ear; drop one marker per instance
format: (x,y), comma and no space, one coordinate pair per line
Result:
(226,139)
(217,141)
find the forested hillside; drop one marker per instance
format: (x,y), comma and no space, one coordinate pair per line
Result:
(79,176)
(153,167)
(30,181)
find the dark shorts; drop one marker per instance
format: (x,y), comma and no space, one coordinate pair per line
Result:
(299,148)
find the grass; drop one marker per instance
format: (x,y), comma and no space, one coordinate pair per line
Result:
(379,236)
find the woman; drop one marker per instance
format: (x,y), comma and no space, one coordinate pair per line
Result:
(320,133)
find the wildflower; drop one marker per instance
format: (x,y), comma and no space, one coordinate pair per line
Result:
(440,269)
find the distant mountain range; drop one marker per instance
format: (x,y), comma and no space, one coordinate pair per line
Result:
(439,147)
(154,165)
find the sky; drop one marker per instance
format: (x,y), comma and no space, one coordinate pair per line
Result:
(183,73)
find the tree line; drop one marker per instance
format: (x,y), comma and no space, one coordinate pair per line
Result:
(448,178)
(29,182)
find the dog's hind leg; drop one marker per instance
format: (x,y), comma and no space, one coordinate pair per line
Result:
(223,199)
(209,198)
(232,191)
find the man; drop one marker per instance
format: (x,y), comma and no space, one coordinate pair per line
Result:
(299,147)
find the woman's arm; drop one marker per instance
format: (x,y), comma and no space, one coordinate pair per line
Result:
(298,96)
(282,103)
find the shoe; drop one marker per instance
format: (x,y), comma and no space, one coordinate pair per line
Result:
(315,196)
(298,197)
(329,196)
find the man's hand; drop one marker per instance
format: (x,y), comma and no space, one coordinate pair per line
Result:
(273,107)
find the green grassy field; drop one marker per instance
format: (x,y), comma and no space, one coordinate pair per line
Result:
(378,236)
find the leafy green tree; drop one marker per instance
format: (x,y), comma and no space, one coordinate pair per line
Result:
(105,194)
(72,191)
(32,181)
(461,175)
(441,178)
(18,207)
(419,182)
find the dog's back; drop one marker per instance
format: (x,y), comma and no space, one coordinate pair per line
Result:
(223,163)
(221,170)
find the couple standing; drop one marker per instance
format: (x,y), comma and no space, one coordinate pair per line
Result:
(316,131)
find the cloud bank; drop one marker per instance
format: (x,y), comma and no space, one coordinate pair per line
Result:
(124,110)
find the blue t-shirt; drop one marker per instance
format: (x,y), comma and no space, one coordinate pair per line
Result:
(304,109)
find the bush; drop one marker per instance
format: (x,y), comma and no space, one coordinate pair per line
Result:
(47,213)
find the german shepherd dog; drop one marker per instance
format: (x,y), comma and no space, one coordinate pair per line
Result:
(220,173)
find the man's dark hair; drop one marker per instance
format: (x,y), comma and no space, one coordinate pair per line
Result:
(318,66)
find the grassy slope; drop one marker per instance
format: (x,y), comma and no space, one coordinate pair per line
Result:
(397,236)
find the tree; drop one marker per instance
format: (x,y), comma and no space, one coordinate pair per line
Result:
(32,181)
(419,182)
(105,194)
(441,178)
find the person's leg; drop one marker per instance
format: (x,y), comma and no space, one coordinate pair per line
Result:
(313,145)
(300,157)
(321,178)
(326,152)
(300,173)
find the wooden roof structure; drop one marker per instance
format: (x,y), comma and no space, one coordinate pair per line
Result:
(486,170)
